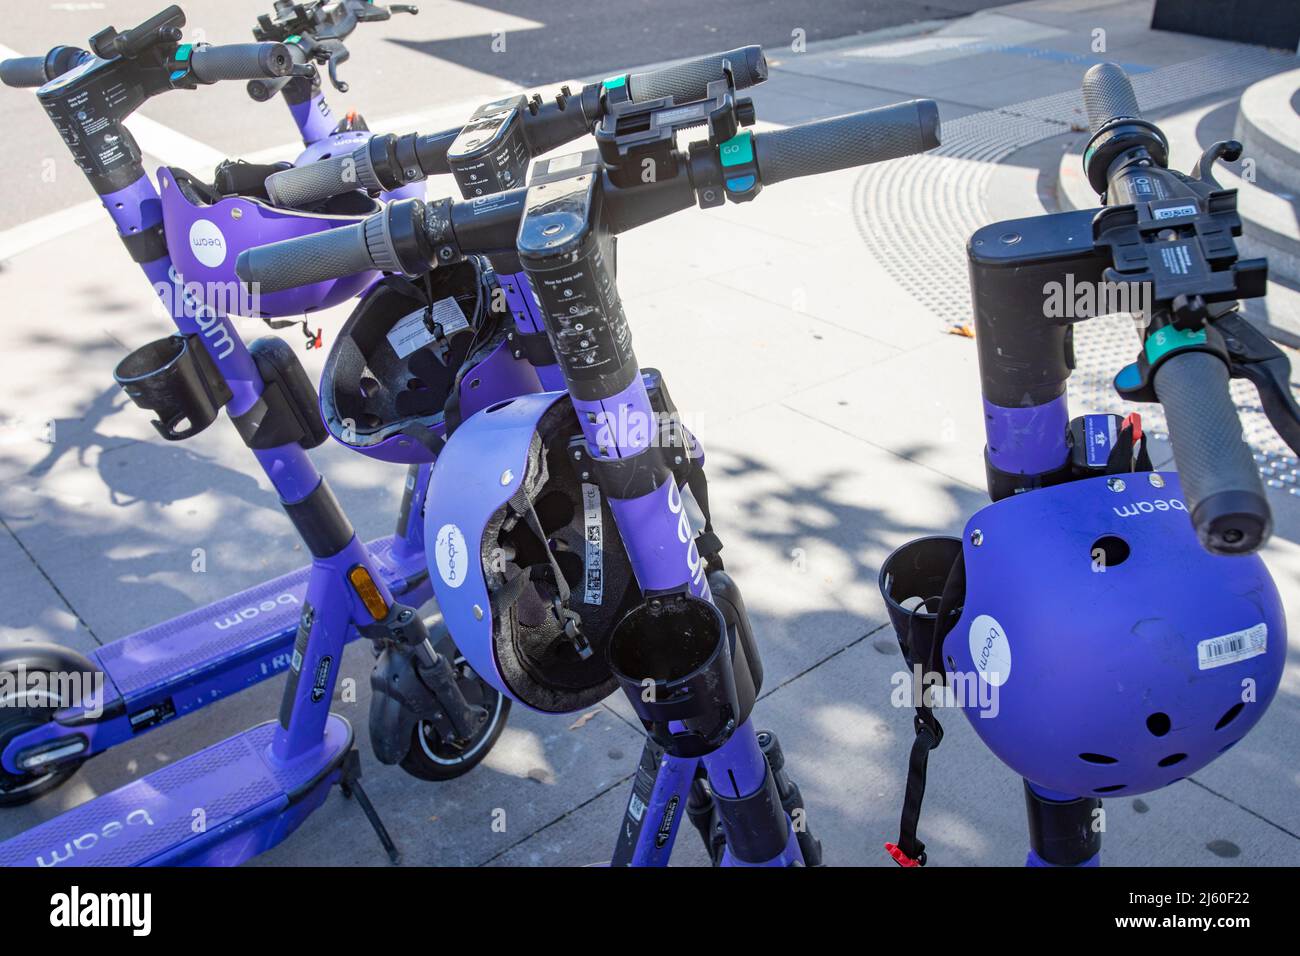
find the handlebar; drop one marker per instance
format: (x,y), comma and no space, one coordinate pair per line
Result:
(39,70)
(240,61)
(262,89)
(1108,95)
(388,161)
(1220,480)
(689,80)
(311,183)
(854,139)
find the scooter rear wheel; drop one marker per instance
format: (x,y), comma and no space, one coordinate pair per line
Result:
(432,758)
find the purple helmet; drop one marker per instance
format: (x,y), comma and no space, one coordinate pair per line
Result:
(1104,651)
(524,556)
(209,225)
(416,357)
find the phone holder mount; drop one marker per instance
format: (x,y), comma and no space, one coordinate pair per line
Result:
(638,140)
(320,27)
(1177,251)
(1180,251)
(161,29)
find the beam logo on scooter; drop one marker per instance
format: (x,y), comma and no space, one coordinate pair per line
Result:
(687,535)
(247,614)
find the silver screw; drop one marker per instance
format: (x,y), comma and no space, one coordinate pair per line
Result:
(1157,481)
(1115,484)
(507,476)
(977,537)
(236,213)
(478,613)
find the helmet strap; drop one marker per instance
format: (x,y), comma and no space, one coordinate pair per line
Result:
(924,648)
(570,621)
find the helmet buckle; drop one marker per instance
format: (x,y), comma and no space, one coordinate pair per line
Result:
(572,627)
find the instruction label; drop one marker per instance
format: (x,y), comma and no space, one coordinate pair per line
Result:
(411,333)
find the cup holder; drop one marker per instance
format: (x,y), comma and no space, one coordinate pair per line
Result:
(912,580)
(672,657)
(176,379)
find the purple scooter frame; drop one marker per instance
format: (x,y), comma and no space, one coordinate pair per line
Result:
(663,560)
(241,640)
(681,630)
(256,787)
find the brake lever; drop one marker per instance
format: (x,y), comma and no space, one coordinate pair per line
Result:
(337,56)
(1252,356)
(1228,150)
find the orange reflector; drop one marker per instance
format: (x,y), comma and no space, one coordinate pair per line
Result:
(365,587)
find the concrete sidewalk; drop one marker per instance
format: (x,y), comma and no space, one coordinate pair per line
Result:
(806,337)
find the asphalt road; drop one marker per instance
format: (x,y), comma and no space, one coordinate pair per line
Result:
(450,53)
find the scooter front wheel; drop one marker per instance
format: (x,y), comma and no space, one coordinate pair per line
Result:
(430,757)
(18,717)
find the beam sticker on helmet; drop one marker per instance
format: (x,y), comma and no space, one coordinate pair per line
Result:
(207,243)
(990,650)
(595,550)
(452,555)
(1230,648)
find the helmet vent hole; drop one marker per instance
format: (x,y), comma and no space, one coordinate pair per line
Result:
(1110,789)
(1172,759)
(1108,551)
(554,510)
(1230,715)
(1159,724)
(1098,758)
(498,406)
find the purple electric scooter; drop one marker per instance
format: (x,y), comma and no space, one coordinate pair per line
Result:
(254,788)
(570,546)
(1120,615)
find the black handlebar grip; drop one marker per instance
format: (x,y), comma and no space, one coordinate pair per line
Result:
(24,71)
(332,254)
(313,182)
(854,139)
(1220,479)
(689,80)
(240,61)
(1108,95)
(265,89)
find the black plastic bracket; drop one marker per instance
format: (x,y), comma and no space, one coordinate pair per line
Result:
(287,412)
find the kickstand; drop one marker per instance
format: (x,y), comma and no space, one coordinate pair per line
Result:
(350,784)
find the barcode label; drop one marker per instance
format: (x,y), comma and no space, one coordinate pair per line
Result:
(1230,648)
(635,807)
(594,584)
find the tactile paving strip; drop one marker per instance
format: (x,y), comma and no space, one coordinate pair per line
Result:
(916,215)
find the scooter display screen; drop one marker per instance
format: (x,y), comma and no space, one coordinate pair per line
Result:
(490,155)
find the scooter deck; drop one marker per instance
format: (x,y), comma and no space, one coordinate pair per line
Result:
(181,665)
(237,626)
(219,806)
